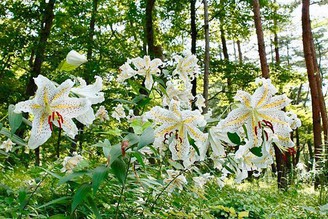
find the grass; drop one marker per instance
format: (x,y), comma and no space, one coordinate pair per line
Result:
(251,199)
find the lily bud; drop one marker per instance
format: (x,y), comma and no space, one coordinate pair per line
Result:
(76,59)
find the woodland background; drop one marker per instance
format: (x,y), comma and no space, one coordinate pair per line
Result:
(35,37)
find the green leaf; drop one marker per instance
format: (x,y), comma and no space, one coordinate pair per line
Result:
(138,155)
(71,176)
(80,195)
(59,216)
(99,174)
(93,207)
(16,139)
(106,145)
(22,198)
(176,165)
(114,153)
(1,125)
(192,143)
(27,122)
(146,138)
(119,170)
(234,138)
(257,151)
(58,200)
(51,173)
(131,138)
(15,119)
(64,66)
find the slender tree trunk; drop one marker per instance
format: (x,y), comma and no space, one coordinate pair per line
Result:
(149,27)
(276,48)
(89,65)
(226,58)
(88,76)
(207,57)
(45,28)
(193,40)
(312,71)
(240,54)
(260,39)
(275,38)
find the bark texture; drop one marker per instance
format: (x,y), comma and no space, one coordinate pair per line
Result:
(260,39)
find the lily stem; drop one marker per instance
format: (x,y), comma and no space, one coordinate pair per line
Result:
(123,187)
(58,143)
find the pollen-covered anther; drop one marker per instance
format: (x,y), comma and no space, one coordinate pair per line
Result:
(55,116)
(269,124)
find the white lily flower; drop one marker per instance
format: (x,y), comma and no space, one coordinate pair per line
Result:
(93,94)
(7,145)
(126,71)
(200,181)
(52,105)
(200,102)
(119,112)
(176,125)
(147,68)
(102,114)
(144,67)
(262,109)
(70,163)
(177,89)
(91,91)
(175,180)
(76,59)
(187,68)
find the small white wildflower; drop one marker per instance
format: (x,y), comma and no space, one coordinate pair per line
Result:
(102,114)
(119,112)
(175,180)
(200,102)
(70,163)
(7,145)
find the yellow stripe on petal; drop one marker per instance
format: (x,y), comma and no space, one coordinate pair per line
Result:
(265,94)
(274,104)
(159,116)
(61,92)
(238,120)
(166,130)
(197,134)
(45,96)
(192,119)
(36,106)
(43,117)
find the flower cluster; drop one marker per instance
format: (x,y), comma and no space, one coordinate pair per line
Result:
(55,105)
(258,120)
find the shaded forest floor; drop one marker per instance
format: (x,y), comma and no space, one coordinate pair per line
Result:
(258,198)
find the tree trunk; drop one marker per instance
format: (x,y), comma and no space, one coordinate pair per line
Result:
(226,58)
(260,39)
(193,40)
(89,65)
(149,27)
(275,39)
(312,71)
(46,24)
(276,48)
(88,76)
(240,54)
(207,57)
(281,166)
